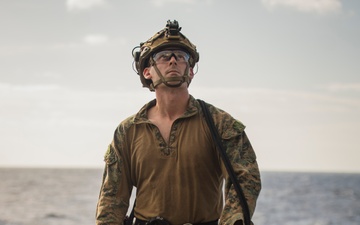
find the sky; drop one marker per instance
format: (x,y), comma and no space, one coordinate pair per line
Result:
(288,69)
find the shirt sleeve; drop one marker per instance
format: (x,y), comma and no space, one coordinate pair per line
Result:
(243,161)
(116,188)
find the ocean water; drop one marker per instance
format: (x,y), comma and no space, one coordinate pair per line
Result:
(69,196)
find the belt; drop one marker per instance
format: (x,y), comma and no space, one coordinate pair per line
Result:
(143,222)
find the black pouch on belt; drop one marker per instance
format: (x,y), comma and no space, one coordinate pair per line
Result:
(157,221)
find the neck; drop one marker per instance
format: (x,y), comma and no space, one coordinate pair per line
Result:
(171,103)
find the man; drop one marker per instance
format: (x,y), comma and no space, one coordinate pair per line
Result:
(166,150)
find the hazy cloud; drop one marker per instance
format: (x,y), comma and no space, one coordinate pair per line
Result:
(160,3)
(278,101)
(7,87)
(312,6)
(73,5)
(96,39)
(343,87)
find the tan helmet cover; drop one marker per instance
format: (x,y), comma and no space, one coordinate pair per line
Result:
(169,37)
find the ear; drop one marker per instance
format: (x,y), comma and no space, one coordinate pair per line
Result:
(191,73)
(146,73)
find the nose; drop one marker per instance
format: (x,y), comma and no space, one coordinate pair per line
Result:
(173,58)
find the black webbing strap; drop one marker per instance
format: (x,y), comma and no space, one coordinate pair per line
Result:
(229,168)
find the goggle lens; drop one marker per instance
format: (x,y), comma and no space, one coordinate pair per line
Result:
(165,56)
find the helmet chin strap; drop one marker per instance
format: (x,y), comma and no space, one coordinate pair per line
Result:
(169,81)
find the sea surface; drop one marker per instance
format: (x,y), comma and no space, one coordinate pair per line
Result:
(69,197)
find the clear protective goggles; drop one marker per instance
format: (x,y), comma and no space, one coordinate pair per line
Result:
(166,55)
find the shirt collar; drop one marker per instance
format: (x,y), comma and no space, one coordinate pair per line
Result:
(191,110)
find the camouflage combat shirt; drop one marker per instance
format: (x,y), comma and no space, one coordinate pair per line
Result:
(180,180)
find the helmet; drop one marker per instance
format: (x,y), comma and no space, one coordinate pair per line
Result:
(169,37)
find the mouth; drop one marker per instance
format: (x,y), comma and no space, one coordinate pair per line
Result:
(173,72)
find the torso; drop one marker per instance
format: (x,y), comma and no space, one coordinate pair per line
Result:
(164,124)
(164,128)
(180,170)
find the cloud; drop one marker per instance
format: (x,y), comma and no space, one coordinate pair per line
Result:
(309,6)
(7,88)
(336,87)
(74,5)
(96,39)
(160,3)
(80,42)
(274,101)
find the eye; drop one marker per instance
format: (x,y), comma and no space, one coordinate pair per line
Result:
(162,56)
(165,55)
(180,56)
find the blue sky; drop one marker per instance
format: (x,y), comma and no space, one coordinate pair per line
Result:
(288,69)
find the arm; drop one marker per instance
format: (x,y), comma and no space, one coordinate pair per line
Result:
(243,160)
(116,188)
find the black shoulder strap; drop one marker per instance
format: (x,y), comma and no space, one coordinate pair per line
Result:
(229,168)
